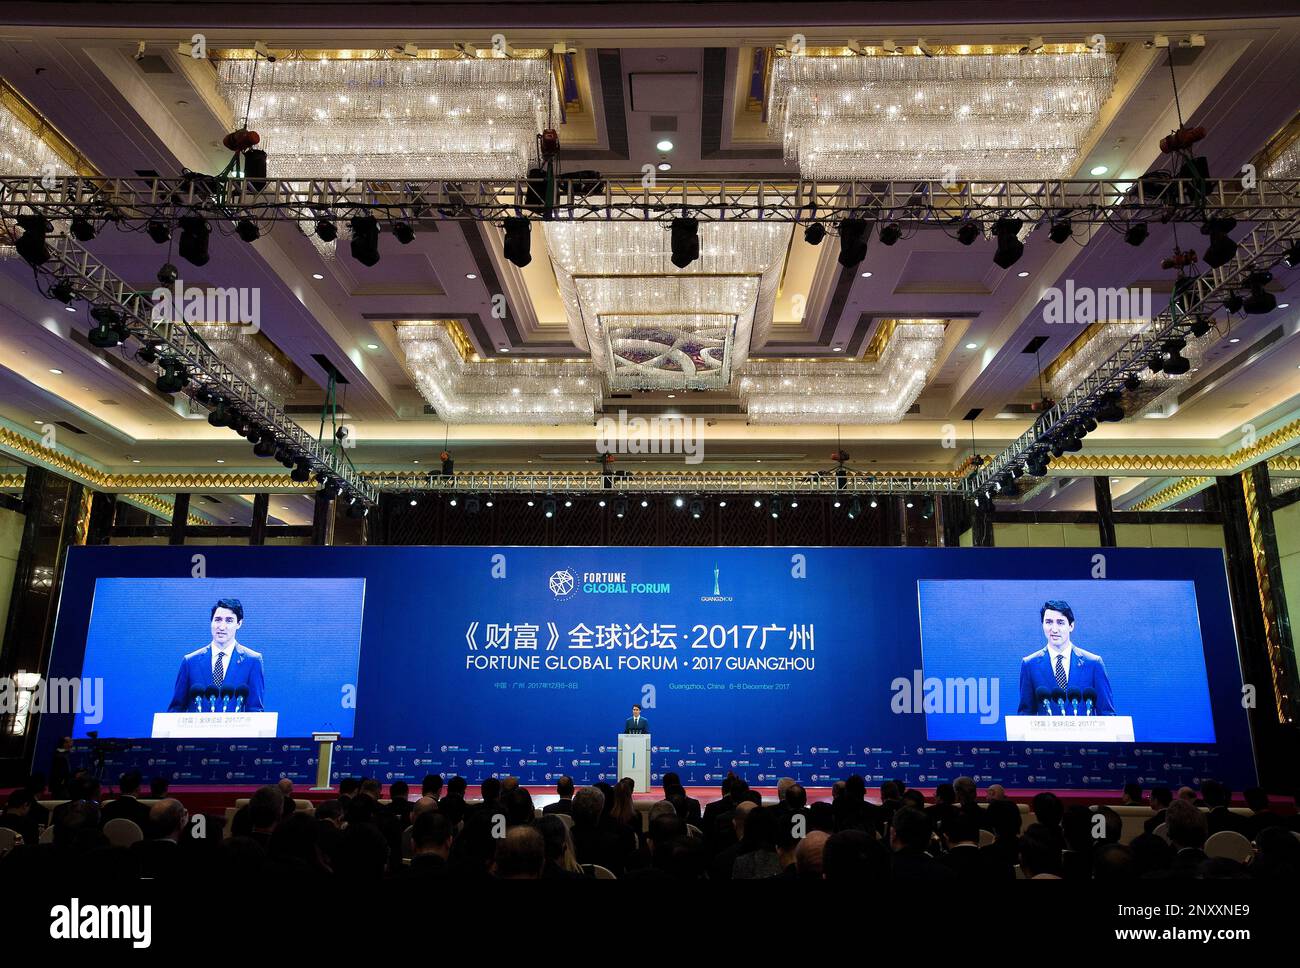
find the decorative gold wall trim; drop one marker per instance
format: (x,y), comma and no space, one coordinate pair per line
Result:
(83,516)
(1272,632)
(1154,502)
(12,482)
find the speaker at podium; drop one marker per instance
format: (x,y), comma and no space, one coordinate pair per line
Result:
(634,760)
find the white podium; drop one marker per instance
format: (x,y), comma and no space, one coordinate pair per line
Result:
(634,759)
(214,725)
(1070,729)
(324,758)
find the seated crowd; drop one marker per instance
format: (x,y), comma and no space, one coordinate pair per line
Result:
(597,831)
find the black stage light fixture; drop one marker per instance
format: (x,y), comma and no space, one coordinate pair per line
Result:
(620,508)
(365,240)
(148,353)
(1220,249)
(1132,382)
(1292,257)
(1071,443)
(167,274)
(471,505)
(1201,325)
(1057,449)
(548,508)
(283,455)
(814,233)
(248,230)
(1175,364)
(266,445)
(1089,424)
(1136,233)
(1233,302)
(252,431)
(518,241)
(685,241)
(968,233)
(158,230)
(697,509)
(219,416)
(853,242)
(855,509)
(330,489)
(194,239)
(301,473)
(173,378)
(82,229)
(1060,231)
(1111,409)
(1260,300)
(255,168)
(31,244)
(890,233)
(109,330)
(774,507)
(403,233)
(357,508)
(326,230)
(204,396)
(1156,363)
(1010,248)
(63,291)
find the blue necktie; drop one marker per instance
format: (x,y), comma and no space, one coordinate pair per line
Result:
(218,674)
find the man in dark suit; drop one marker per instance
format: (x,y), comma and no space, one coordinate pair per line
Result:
(565,804)
(961,855)
(61,769)
(1188,830)
(689,808)
(1161,797)
(853,811)
(1062,665)
(909,839)
(160,854)
(597,839)
(127,804)
(715,808)
(431,847)
(1261,817)
(18,816)
(223,664)
(400,805)
(452,806)
(1217,797)
(635,723)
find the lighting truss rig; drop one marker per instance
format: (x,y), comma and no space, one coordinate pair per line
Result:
(685,483)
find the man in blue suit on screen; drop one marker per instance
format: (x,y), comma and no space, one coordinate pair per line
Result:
(223,676)
(1061,678)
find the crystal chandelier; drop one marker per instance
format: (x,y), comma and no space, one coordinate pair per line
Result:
(1108,340)
(1287,162)
(497,391)
(962,117)
(426,117)
(253,362)
(650,325)
(24,152)
(844,391)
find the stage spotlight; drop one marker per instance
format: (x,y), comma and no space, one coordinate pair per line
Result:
(283,456)
(159,231)
(855,508)
(679,502)
(365,239)
(63,291)
(1292,257)
(255,168)
(685,242)
(757,503)
(910,504)
(173,377)
(1060,231)
(1111,409)
(329,489)
(1010,248)
(403,233)
(873,503)
(853,242)
(890,233)
(1233,302)
(518,241)
(1132,382)
(1089,424)
(548,508)
(193,245)
(110,330)
(220,416)
(471,505)
(1260,300)
(301,473)
(1220,249)
(266,446)
(167,275)
(453,502)
(148,353)
(1070,443)
(1136,233)
(82,229)
(620,508)
(357,508)
(697,509)
(968,233)
(1057,449)
(814,233)
(31,244)
(326,230)
(774,507)
(1201,325)
(722,503)
(645,503)
(248,230)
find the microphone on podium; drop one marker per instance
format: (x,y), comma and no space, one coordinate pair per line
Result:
(1074,696)
(241,699)
(227,697)
(196,701)
(210,700)
(1058,700)
(1042,700)
(1090,702)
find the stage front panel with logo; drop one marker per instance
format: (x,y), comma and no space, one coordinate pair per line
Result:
(813,663)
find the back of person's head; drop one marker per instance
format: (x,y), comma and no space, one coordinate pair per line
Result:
(399,790)
(809,855)
(795,796)
(727,781)
(588,806)
(158,787)
(431,785)
(362,853)
(664,831)
(1111,826)
(79,819)
(1004,817)
(759,827)
(739,789)
(517,804)
(1214,794)
(821,816)
(421,805)
(680,806)
(372,788)
(1133,791)
(348,786)
(1076,826)
(855,787)
(1278,856)
(457,785)
(966,790)
(912,828)
(128,784)
(1162,796)
(960,829)
(1048,809)
(1114,862)
(555,838)
(329,810)
(431,830)
(490,789)
(689,859)
(1256,799)
(944,793)
(837,790)
(854,855)
(520,855)
(1151,853)
(914,799)
(1040,850)
(662,808)
(889,790)
(296,840)
(18,799)
(1187,825)
(166,819)
(265,808)
(565,788)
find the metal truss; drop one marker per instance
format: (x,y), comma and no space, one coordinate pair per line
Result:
(1260,250)
(684,483)
(98,285)
(710,198)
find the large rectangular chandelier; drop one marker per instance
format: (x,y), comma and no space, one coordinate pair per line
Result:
(962,117)
(650,325)
(447,116)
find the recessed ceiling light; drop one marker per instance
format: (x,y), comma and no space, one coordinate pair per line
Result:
(415,462)
(56,371)
(665,145)
(71,309)
(470,275)
(221,460)
(866,275)
(1098,170)
(971,346)
(317,275)
(135,460)
(672,396)
(1283,305)
(837,349)
(664,166)
(372,346)
(1235,339)
(503,349)
(1022,273)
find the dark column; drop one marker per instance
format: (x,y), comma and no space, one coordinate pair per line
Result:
(982,524)
(322,520)
(261,505)
(1105,511)
(180,517)
(892,533)
(1268,571)
(103,514)
(953,510)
